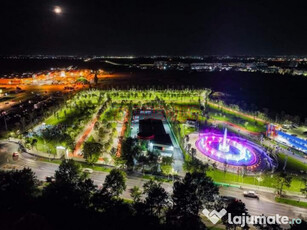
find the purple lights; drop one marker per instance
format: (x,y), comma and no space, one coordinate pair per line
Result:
(234,151)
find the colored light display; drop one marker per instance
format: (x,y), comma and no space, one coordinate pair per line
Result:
(234,151)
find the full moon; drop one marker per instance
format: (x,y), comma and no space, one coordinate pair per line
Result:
(57,10)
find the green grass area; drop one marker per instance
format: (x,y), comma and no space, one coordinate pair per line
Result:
(68,122)
(240,120)
(182,96)
(267,180)
(186,111)
(292,149)
(296,203)
(54,161)
(72,108)
(128,201)
(46,146)
(113,114)
(292,165)
(185,130)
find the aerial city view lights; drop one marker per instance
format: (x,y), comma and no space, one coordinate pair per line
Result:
(153,115)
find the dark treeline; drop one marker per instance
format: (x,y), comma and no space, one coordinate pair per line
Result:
(72,201)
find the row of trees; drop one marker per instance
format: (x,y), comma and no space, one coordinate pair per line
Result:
(266,114)
(73,201)
(136,156)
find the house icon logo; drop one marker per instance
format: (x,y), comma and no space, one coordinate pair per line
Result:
(214,216)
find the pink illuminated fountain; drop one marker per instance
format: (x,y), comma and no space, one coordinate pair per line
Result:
(224,147)
(234,151)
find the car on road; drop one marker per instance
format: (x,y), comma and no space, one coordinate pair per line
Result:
(250,194)
(50,179)
(228,199)
(87,170)
(15,155)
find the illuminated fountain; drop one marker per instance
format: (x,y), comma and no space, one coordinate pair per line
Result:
(224,147)
(233,151)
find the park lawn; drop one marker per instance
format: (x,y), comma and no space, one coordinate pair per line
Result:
(113,114)
(47,146)
(244,122)
(53,120)
(268,181)
(70,110)
(147,95)
(293,164)
(74,120)
(185,130)
(216,108)
(53,161)
(188,112)
(296,203)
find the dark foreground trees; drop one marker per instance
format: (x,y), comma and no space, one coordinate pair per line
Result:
(190,196)
(72,201)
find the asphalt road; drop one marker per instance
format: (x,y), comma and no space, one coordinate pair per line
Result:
(265,205)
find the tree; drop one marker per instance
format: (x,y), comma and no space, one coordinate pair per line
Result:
(167,161)
(142,161)
(33,143)
(157,197)
(190,195)
(95,79)
(304,190)
(129,151)
(71,188)
(91,151)
(17,188)
(282,179)
(135,193)
(115,182)
(166,169)
(302,225)
(235,208)
(195,165)
(69,172)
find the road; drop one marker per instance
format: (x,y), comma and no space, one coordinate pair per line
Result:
(271,144)
(265,205)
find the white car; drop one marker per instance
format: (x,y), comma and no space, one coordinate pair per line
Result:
(250,194)
(87,170)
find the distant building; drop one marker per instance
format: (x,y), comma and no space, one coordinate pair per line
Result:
(202,66)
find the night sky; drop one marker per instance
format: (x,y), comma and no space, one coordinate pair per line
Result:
(145,27)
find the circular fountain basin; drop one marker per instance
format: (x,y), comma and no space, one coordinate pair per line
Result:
(233,151)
